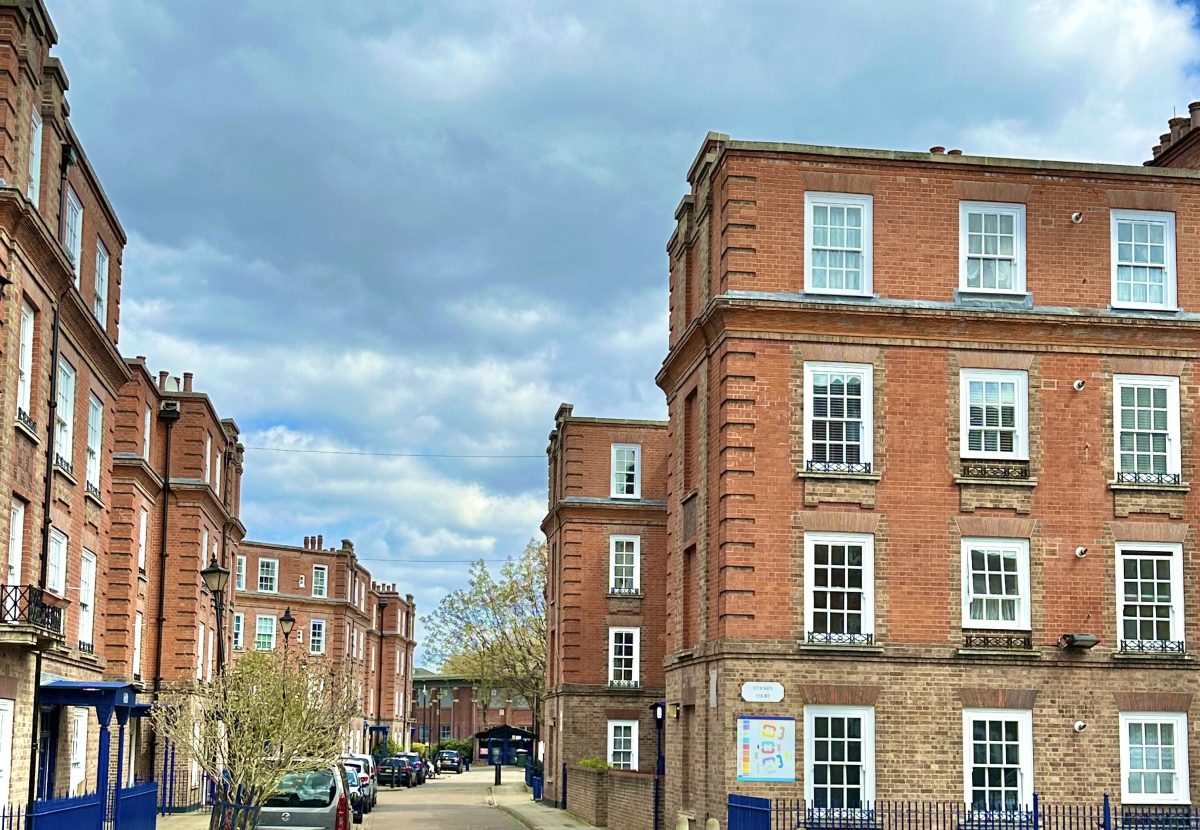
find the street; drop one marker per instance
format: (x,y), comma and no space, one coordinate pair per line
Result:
(452,802)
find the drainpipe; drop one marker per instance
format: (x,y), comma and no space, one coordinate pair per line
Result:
(168,416)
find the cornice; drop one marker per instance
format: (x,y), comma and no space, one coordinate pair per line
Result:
(644,511)
(206,496)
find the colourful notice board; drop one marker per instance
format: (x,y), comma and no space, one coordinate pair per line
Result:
(766,749)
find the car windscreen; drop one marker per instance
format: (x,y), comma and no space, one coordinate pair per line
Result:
(304,789)
(354,765)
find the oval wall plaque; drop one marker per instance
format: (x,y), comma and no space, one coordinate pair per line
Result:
(762,692)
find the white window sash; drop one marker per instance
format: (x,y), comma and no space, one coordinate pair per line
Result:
(137,644)
(867,542)
(636,658)
(632,725)
(100,306)
(320,587)
(1171,385)
(617,449)
(1021,547)
(316,637)
(812,200)
(268,571)
(636,568)
(74,240)
(16,542)
(56,571)
(1024,719)
(25,359)
(200,652)
(35,157)
(239,630)
(1167,219)
(239,583)
(1179,721)
(867,766)
(65,412)
(94,439)
(1021,438)
(867,372)
(146,436)
(1017,211)
(261,631)
(87,596)
(1174,554)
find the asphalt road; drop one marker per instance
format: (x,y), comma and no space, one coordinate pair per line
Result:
(448,802)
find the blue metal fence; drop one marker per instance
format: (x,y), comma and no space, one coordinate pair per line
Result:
(751,813)
(136,807)
(83,812)
(12,817)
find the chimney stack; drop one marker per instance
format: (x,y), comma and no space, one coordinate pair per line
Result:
(306,542)
(1194,112)
(1179,127)
(187,381)
(954,152)
(162,381)
(937,150)
(320,543)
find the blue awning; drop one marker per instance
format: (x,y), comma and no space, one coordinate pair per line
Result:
(112,693)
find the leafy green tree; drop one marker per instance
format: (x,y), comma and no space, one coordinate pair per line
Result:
(494,630)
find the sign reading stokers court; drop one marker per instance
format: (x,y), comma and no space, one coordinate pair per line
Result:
(760,692)
(766,749)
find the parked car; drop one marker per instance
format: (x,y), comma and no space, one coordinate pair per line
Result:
(358,796)
(396,772)
(319,799)
(371,769)
(420,770)
(448,760)
(370,787)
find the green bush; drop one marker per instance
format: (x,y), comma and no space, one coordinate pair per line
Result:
(593,763)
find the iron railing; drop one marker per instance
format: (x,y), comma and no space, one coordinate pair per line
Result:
(837,466)
(624,592)
(64,465)
(1151,647)
(86,648)
(1015,641)
(92,490)
(827,638)
(1148,478)
(26,604)
(624,684)
(26,420)
(998,470)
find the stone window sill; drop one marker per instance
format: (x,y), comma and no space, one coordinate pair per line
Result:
(92,497)
(625,595)
(1149,488)
(1133,657)
(995,482)
(59,470)
(27,432)
(817,648)
(1003,653)
(822,475)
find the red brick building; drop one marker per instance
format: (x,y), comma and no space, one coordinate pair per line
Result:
(339,611)
(60,253)
(445,707)
(177,481)
(931,443)
(606,593)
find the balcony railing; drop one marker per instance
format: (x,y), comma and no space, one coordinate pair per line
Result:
(64,465)
(93,490)
(86,648)
(624,684)
(837,467)
(1151,647)
(1148,478)
(1014,641)
(26,605)
(827,638)
(26,420)
(998,470)
(625,591)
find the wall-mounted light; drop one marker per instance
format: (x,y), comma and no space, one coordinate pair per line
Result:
(1078,385)
(1080,552)
(1078,641)
(1077,217)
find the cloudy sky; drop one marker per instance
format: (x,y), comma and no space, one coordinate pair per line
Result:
(378,226)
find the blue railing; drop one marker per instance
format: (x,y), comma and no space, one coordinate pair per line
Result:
(136,807)
(82,812)
(751,813)
(12,817)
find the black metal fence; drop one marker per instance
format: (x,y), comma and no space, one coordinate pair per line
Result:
(26,605)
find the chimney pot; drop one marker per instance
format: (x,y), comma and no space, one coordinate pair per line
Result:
(1157,150)
(954,152)
(1165,140)
(320,542)
(162,380)
(937,149)
(187,381)
(141,358)
(1177,127)
(306,545)
(1194,112)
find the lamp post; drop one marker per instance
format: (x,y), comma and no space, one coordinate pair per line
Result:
(216,579)
(659,710)
(286,623)
(383,604)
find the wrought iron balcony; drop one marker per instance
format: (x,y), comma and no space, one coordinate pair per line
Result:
(998,470)
(1013,641)
(26,605)
(624,684)
(827,638)
(1151,647)
(1148,478)
(26,420)
(837,467)
(64,465)
(93,490)
(619,591)
(86,648)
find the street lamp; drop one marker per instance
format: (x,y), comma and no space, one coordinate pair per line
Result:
(383,604)
(216,579)
(286,623)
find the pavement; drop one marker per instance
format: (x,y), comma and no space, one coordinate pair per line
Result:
(195,820)
(516,800)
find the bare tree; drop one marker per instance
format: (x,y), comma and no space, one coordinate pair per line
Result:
(494,630)
(264,717)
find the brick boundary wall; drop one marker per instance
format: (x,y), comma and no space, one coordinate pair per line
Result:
(630,800)
(587,795)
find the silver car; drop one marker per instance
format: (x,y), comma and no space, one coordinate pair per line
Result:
(314,800)
(366,776)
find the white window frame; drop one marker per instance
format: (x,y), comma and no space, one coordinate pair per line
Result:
(1021,379)
(73,236)
(100,304)
(239,577)
(143,525)
(95,439)
(320,587)
(1024,719)
(200,651)
(611,733)
(867,371)
(636,541)
(56,570)
(217,471)
(136,657)
(239,630)
(1179,721)
(637,471)
(1175,553)
(867,540)
(1171,384)
(212,653)
(258,631)
(635,681)
(25,359)
(867,714)
(35,156)
(1015,210)
(866,202)
(1170,285)
(87,596)
(208,459)
(316,644)
(16,543)
(1021,548)
(146,435)
(64,413)
(79,748)
(274,589)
